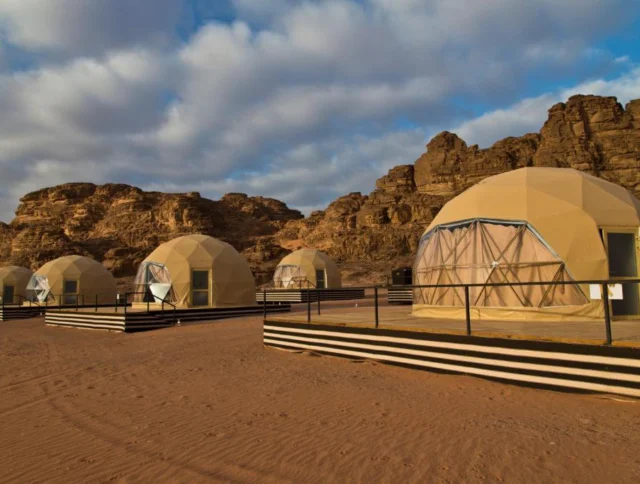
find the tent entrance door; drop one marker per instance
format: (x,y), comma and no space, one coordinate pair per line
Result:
(200,288)
(70,292)
(8,294)
(320,279)
(622,252)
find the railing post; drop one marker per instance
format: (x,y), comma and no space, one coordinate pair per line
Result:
(147,296)
(308,306)
(607,315)
(467,309)
(77,297)
(96,304)
(318,302)
(375,303)
(264,302)
(115,310)
(126,298)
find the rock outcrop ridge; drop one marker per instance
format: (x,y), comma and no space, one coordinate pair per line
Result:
(120,224)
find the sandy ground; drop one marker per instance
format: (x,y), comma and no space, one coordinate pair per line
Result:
(208,403)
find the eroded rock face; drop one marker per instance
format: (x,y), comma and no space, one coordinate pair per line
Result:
(589,133)
(120,225)
(369,234)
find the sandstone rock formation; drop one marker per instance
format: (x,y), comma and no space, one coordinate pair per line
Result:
(590,133)
(368,234)
(119,224)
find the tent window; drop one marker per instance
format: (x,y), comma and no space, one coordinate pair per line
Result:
(8,294)
(485,251)
(38,288)
(70,290)
(200,288)
(289,277)
(153,283)
(320,280)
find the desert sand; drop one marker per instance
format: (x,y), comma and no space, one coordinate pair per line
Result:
(208,403)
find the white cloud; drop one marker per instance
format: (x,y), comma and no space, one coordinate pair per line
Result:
(303,100)
(529,114)
(87,26)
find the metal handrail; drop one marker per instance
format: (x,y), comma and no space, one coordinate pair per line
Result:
(163,301)
(20,298)
(174,306)
(490,284)
(603,283)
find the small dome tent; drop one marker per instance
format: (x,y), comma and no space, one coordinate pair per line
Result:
(529,225)
(13,284)
(196,271)
(73,280)
(307,267)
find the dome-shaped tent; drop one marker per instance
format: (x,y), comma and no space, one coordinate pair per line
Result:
(307,267)
(73,280)
(197,271)
(13,284)
(528,225)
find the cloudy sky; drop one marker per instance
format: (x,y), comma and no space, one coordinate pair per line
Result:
(299,100)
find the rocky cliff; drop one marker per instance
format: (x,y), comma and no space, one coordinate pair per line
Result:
(119,224)
(590,133)
(368,234)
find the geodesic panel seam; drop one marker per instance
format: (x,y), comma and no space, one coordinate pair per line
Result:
(153,282)
(482,251)
(288,276)
(38,288)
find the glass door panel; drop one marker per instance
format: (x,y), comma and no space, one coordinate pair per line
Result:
(623,263)
(199,288)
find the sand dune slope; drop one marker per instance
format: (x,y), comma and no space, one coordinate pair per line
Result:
(208,403)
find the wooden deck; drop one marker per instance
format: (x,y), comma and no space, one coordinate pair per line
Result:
(137,318)
(625,333)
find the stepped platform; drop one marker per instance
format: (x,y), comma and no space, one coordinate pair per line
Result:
(25,311)
(294,296)
(11,312)
(140,319)
(558,355)
(399,295)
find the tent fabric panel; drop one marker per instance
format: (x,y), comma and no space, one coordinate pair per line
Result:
(155,278)
(565,206)
(498,252)
(38,288)
(288,277)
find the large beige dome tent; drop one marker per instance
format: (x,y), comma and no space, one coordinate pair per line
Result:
(529,225)
(196,271)
(307,268)
(73,280)
(13,284)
